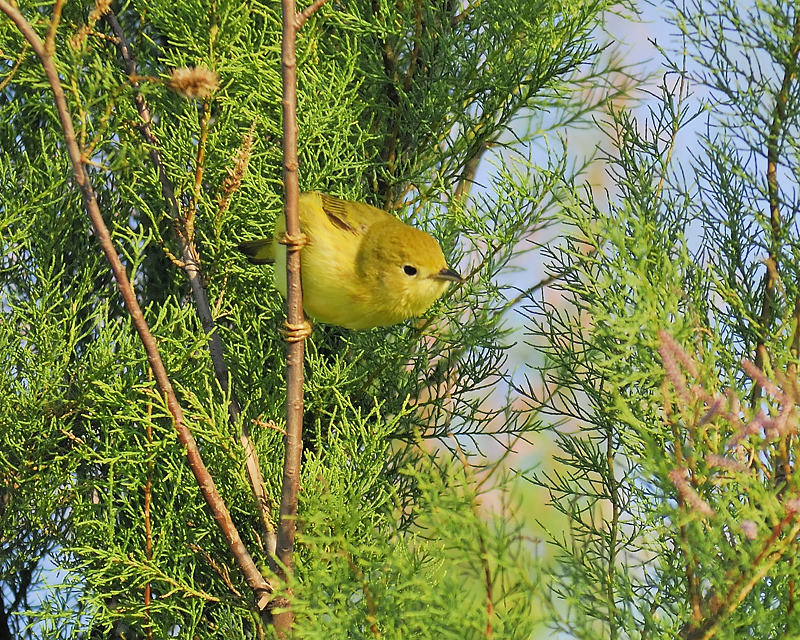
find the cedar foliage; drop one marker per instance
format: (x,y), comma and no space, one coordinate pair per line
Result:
(397,105)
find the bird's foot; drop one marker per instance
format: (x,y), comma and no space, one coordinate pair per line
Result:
(296,332)
(293,243)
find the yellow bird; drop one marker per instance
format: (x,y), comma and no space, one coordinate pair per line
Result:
(362,267)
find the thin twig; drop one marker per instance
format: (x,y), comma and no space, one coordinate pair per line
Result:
(464,14)
(544,282)
(771,553)
(200,168)
(776,226)
(15,68)
(412,65)
(783,466)
(487,572)
(301,17)
(215,503)
(675,128)
(613,497)
(220,570)
(468,172)
(690,561)
(294,312)
(50,42)
(372,617)
(385,189)
(487,575)
(148,499)
(191,265)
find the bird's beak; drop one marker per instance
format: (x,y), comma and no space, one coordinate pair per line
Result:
(448,274)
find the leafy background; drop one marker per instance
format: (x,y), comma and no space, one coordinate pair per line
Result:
(668,508)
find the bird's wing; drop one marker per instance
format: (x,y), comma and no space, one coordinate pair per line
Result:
(355,217)
(341,215)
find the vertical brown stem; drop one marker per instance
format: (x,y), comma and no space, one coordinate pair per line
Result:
(692,582)
(782,462)
(386,188)
(294,313)
(776,225)
(487,576)
(200,168)
(148,529)
(50,42)
(790,604)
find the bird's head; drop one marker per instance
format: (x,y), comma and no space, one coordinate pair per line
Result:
(404,267)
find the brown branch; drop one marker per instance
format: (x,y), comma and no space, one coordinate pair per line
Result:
(613,532)
(294,312)
(468,172)
(770,555)
(786,441)
(464,14)
(220,570)
(200,168)
(215,503)
(412,65)
(148,497)
(487,575)
(776,226)
(301,17)
(372,617)
(790,604)
(390,58)
(690,561)
(782,463)
(15,68)
(50,42)
(544,282)
(794,349)
(191,265)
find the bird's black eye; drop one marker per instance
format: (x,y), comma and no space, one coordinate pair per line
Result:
(409,270)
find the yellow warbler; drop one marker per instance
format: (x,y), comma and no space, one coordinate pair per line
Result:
(362,267)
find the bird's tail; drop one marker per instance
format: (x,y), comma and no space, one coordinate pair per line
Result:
(258,251)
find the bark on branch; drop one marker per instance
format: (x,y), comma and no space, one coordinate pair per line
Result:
(191,261)
(292,21)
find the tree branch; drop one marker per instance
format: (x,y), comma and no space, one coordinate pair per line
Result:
(148,529)
(544,282)
(468,172)
(50,42)
(191,264)
(389,56)
(215,503)
(776,225)
(294,309)
(305,14)
(199,171)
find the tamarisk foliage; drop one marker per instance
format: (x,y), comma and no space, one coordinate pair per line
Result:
(674,369)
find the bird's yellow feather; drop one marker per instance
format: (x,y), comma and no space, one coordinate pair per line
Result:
(362,267)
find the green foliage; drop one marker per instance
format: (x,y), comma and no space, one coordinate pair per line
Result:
(385,580)
(397,104)
(674,369)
